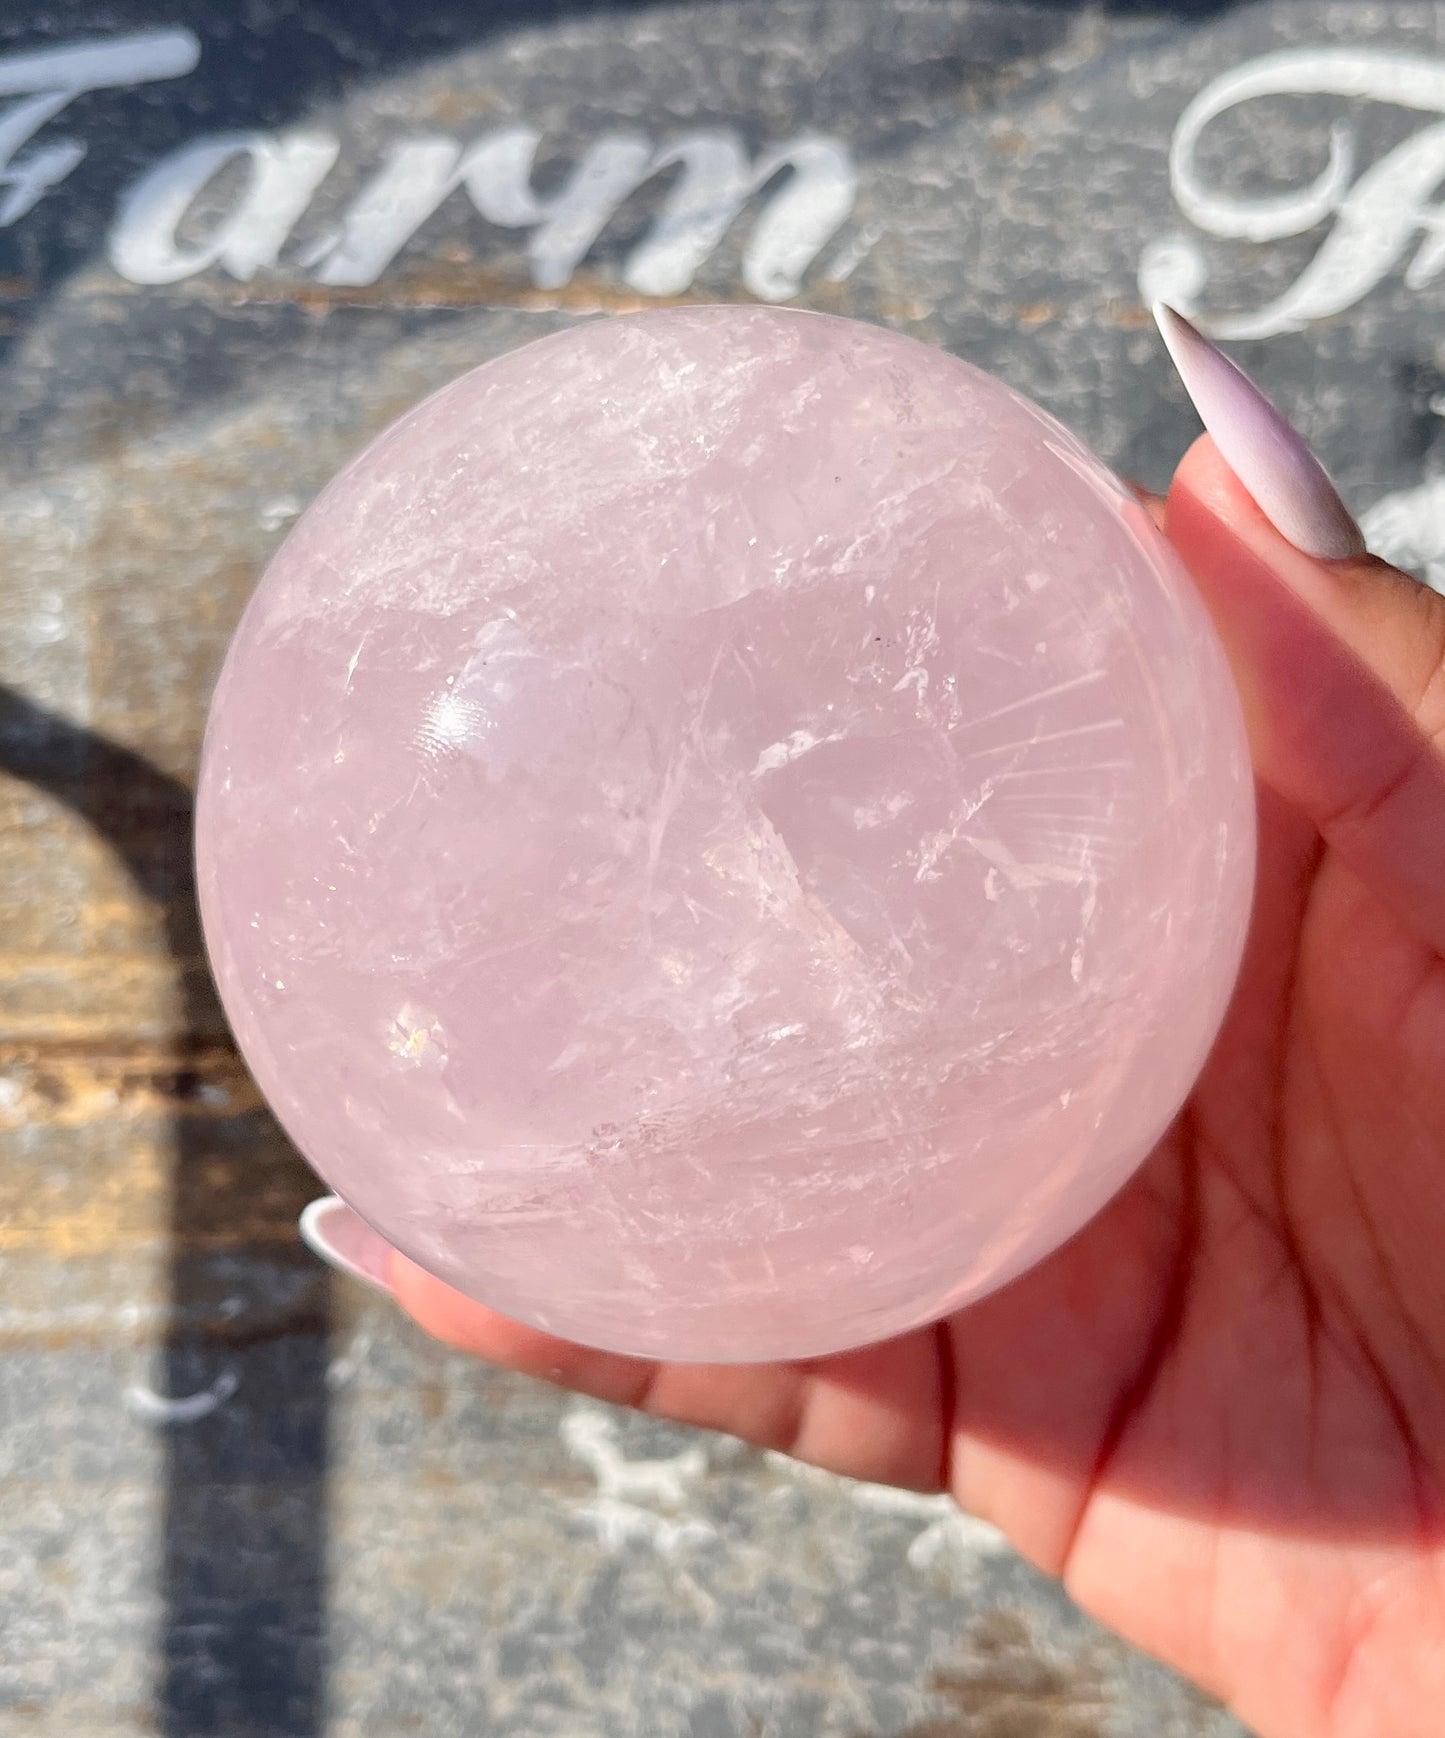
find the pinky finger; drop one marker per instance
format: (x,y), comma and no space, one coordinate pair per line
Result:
(874,1414)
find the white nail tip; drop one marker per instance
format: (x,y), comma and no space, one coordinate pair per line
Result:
(343,1240)
(1268,455)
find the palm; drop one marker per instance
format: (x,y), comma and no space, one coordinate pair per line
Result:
(1219,1413)
(1236,1457)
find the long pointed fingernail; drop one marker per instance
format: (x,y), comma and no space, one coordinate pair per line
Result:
(343,1239)
(1268,455)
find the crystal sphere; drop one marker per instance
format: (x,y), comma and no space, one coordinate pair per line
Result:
(725,834)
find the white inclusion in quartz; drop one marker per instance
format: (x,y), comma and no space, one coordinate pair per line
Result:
(778,754)
(869,815)
(416,1038)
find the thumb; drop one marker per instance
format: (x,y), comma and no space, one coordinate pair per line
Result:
(1339,665)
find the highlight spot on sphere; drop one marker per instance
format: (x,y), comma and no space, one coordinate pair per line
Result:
(725,834)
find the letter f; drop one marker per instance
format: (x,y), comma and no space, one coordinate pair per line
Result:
(47,80)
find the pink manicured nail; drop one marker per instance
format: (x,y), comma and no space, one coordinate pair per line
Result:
(345,1241)
(1269,456)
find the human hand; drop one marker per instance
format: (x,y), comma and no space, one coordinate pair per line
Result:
(1218,1414)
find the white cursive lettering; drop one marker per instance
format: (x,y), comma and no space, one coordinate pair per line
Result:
(50,79)
(284,175)
(816,185)
(1377,217)
(496,172)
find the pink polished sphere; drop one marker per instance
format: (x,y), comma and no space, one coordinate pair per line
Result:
(725,834)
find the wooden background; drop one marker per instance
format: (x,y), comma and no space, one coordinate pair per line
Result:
(239,1499)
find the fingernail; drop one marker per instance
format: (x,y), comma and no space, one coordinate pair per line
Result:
(343,1239)
(1268,455)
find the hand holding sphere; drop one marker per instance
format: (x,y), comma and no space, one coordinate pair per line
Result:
(1217,1412)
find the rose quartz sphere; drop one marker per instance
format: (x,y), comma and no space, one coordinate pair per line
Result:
(725,834)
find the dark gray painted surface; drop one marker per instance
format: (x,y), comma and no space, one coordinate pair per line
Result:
(364,1535)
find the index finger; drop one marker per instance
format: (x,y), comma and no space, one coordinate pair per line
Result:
(1339,665)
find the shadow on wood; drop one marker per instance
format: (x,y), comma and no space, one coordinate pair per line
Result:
(244,1552)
